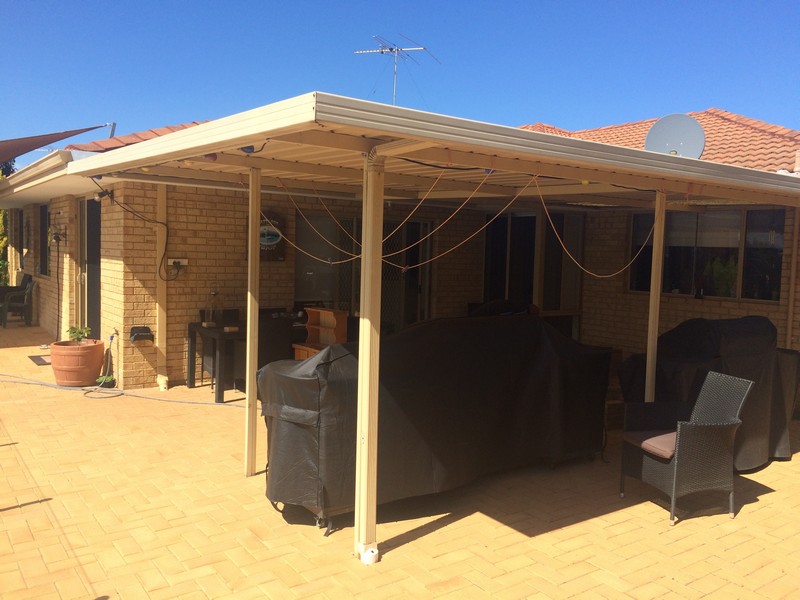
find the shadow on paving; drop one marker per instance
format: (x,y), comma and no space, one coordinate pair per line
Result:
(536,500)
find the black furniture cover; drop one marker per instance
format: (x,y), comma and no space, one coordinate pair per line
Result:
(744,347)
(459,398)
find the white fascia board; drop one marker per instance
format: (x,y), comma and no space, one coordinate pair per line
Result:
(511,141)
(43,180)
(215,136)
(15,190)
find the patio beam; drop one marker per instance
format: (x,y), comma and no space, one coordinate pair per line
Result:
(251,360)
(692,184)
(366,498)
(345,174)
(656,267)
(238,181)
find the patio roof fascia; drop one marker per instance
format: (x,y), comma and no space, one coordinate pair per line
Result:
(484,143)
(516,143)
(227,133)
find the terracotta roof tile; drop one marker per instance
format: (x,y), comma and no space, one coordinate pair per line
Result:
(730,139)
(126,140)
(545,128)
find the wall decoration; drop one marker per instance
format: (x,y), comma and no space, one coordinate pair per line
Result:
(271,242)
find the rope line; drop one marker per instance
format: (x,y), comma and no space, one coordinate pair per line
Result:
(443,223)
(411,214)
(468,238)
(335,220)
(574,260)
(327,261)
(314,229)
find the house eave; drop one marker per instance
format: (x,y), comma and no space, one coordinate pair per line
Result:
(42,180)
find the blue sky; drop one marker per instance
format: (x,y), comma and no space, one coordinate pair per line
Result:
(573,64)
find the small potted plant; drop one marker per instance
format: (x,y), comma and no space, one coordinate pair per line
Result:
(106,381)
(77,362)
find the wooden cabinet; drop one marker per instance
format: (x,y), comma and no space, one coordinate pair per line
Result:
(325,326)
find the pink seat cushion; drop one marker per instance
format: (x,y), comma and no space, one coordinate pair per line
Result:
(660,443)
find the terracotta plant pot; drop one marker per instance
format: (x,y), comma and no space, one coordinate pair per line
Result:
(77,364)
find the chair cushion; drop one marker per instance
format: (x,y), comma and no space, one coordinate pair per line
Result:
(660,443)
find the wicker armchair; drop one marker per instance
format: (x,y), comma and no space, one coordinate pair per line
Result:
(18,302)
(680,450)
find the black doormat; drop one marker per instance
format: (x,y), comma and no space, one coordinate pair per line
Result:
(42,361)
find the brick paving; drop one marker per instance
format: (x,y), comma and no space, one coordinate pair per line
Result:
(144,497)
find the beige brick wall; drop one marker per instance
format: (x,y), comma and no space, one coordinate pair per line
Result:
(209,228)
(614,316)
(457,276)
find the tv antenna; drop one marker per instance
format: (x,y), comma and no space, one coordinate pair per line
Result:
(387,47)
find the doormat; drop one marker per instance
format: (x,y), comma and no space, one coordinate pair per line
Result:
(40,360)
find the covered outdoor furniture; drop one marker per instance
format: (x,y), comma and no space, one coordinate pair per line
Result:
(745,347)
(18,302)
(679,456)
(459,398)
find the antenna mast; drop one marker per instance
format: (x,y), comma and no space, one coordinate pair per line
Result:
(387,47)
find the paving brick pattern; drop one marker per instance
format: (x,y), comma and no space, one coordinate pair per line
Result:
(134,497)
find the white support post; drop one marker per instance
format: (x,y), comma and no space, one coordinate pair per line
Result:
(253,282)
(161,292)
(656,270)
(366,545)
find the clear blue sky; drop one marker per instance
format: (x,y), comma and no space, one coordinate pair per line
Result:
(573,64)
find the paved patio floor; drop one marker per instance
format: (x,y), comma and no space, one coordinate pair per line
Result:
(144,497)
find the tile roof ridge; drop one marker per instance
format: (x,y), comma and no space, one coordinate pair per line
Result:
(617,126)
(547,128)
(762,126)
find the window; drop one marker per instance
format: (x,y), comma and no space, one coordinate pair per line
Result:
(708,253)
(322,280)
(508,264)
(763,255)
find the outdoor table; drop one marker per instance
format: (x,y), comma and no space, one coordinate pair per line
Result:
(222,343)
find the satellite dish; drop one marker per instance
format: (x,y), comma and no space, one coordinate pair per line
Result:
(679,135)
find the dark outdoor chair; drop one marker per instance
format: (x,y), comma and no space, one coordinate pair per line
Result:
(19,302)
(7,289)
(681,453)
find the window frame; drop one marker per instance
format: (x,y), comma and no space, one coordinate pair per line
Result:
(742,255)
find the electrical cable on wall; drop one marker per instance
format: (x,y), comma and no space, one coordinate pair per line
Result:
(57,239)
(162,261)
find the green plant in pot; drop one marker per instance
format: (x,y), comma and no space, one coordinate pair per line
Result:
(106,381)
(77,361)
(78,334)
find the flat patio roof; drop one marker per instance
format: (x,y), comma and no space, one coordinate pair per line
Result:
(316,142)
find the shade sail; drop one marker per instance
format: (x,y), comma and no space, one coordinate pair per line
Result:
(10,149)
